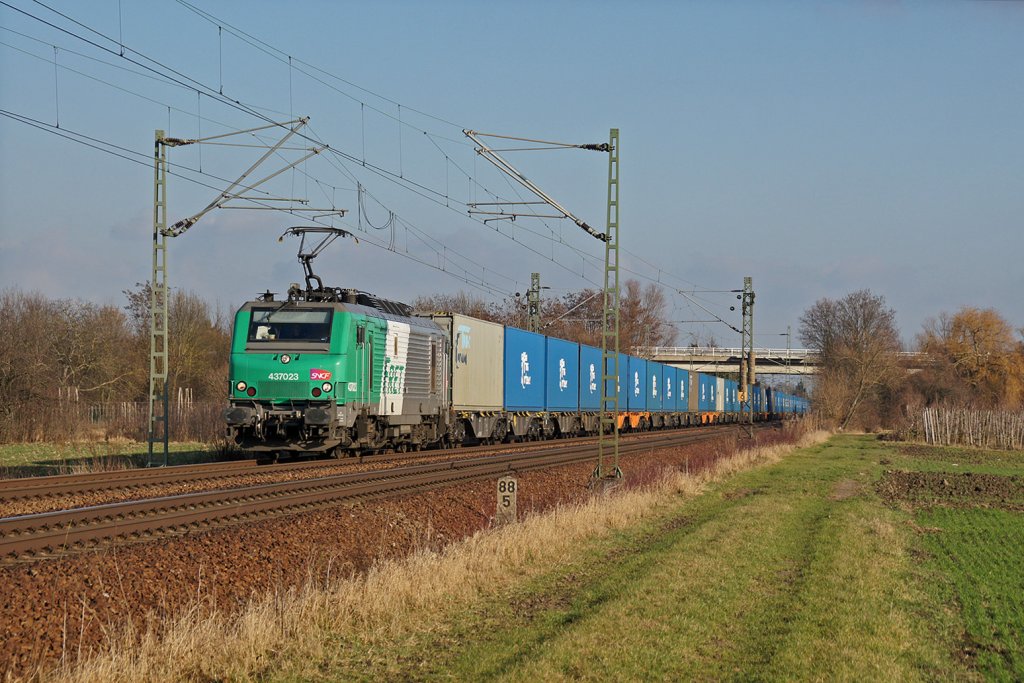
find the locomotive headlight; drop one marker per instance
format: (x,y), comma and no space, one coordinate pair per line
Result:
(316,392)
(326,387)
(241,386)
(251,391)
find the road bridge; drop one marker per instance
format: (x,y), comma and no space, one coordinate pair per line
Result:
(713,359)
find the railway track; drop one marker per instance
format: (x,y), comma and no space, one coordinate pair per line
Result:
(130,480)
(55,534)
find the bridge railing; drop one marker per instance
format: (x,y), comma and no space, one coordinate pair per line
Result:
(721,352)
(807,356)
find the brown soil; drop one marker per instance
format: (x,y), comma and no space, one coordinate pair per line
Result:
(954,454)
(960,490)
(74,604)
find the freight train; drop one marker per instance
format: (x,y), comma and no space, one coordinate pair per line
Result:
(339,371)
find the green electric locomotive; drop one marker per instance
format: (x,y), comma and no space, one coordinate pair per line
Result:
(354,373)
(330,370)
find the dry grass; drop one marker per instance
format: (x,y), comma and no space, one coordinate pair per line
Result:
(283,631)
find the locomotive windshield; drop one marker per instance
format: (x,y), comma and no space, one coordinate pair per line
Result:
(290,324)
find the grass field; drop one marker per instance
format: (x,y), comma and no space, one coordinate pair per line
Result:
(36,459)
(853,560)
(795,571)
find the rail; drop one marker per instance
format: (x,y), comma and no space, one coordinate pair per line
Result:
(55,534)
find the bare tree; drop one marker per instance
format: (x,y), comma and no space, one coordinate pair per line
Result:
(464,303)
(26,323)
(89,351)
(52,352)
(858,341)
(642,317)
(576,316)
(199,342)
(705,338)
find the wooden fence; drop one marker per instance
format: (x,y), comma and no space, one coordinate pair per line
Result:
(980,428)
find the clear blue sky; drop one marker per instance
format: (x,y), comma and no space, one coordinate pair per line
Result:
(819,147)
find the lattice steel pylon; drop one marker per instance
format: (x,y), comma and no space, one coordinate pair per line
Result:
(158,386)
(747,377)
(533,304)
(608,423)
(159,303)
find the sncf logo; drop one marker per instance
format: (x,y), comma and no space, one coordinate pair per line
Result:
(319,375)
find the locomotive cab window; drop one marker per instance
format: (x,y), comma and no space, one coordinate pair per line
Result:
(290,325)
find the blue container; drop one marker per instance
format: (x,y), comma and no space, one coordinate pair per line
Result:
(706,385)
(682,390)
(625,386)
(623,383)
(590,378)
(524,370)
(669,380)
(562,376)
(655,386)
(730,396)
(636,389)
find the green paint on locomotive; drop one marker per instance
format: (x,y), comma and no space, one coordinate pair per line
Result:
(281,355)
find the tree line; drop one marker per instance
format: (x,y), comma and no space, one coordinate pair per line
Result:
(55,353)
(576,316)
(59,357)
(975,359)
